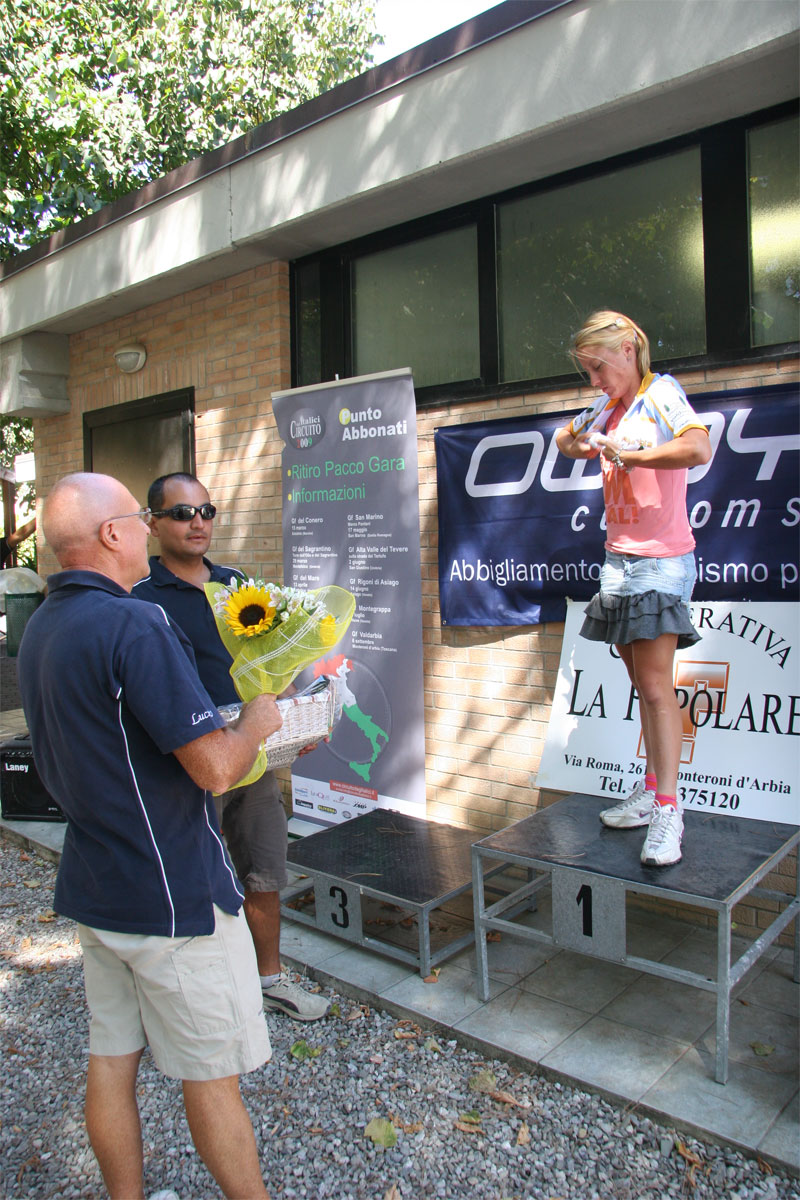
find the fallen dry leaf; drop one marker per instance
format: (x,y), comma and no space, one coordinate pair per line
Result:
(392,1193)
(691,1158)
(688,1154)
(507,1098)
(483,1081)
(524,1135)
(466,1127)
(408,1030)
(412,1127)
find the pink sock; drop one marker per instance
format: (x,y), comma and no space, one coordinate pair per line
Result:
(650,784)
(661,799)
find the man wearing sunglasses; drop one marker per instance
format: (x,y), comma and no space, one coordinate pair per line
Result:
(253,818)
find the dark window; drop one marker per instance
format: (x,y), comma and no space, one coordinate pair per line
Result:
(416,305)
(484,298)
(774,229)
(307,324)
(631,240)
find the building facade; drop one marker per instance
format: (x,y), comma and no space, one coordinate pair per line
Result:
(457,210)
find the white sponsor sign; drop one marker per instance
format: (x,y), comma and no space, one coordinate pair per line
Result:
(738,690)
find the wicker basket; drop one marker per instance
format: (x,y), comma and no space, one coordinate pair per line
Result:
(307,719)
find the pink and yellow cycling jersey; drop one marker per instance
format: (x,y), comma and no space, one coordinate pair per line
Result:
(645,508)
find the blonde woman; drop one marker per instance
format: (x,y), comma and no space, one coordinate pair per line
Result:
(648,437)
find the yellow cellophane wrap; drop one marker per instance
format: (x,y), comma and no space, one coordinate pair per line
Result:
(269,662)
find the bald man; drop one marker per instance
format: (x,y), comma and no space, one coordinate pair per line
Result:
(128,741)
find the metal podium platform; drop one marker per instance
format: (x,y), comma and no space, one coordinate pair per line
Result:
(591,870)
(389,882)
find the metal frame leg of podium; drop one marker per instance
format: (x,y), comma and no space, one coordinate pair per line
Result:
(589,899)
(399,861)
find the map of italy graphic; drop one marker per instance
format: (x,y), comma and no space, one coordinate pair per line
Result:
(340,667)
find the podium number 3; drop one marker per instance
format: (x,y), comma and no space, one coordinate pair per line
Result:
(584,899)
(341,895)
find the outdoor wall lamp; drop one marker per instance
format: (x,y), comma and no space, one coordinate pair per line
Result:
(131,357)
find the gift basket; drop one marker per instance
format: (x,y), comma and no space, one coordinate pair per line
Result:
(308,717)
(272,633)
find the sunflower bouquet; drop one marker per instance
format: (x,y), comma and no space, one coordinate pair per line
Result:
(273,632)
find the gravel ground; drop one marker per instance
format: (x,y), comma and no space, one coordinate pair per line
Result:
(465,1127)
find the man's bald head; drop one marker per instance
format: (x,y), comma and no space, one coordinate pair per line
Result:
(75,510)
(75,523)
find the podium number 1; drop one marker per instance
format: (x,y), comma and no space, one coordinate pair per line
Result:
(584,900)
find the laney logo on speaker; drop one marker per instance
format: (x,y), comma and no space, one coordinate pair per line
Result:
(15,766)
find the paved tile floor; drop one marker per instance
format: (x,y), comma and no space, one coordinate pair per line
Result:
(635,1037)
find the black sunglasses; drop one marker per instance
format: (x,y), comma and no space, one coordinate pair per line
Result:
(186,512)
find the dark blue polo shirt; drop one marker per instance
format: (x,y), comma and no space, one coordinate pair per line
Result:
(110,689)
(188,607)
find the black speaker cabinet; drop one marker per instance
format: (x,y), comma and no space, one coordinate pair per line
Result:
(22,794)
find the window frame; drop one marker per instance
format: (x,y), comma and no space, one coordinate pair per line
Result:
(724,181)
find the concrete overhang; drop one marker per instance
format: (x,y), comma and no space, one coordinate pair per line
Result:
(488,106)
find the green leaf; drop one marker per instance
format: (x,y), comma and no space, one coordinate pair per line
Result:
(471,1117)
(483,1081)
(381,1132)
(302,1051)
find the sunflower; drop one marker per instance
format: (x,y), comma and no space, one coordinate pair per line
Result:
(249,611)
(328,633)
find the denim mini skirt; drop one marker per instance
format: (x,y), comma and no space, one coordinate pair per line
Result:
(642,598)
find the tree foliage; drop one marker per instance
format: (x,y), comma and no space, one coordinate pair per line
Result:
(97,97)
(16,437)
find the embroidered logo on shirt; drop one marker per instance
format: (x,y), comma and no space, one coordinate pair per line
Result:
(198,717)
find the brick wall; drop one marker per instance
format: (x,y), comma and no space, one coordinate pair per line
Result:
(230,341)
(487,691)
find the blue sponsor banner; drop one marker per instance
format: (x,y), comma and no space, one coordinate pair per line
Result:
(521,527)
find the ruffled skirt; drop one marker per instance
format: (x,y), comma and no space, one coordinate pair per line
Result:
(619,620)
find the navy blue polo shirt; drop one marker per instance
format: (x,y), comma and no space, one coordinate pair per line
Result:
(188,607)
(110,689)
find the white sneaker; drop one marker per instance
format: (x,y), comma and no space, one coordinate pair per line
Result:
(635,810)
(290,998)
(662,846)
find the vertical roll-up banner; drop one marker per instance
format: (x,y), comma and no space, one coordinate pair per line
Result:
(350,488)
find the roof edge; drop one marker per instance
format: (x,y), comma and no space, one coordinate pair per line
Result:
(469,35)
